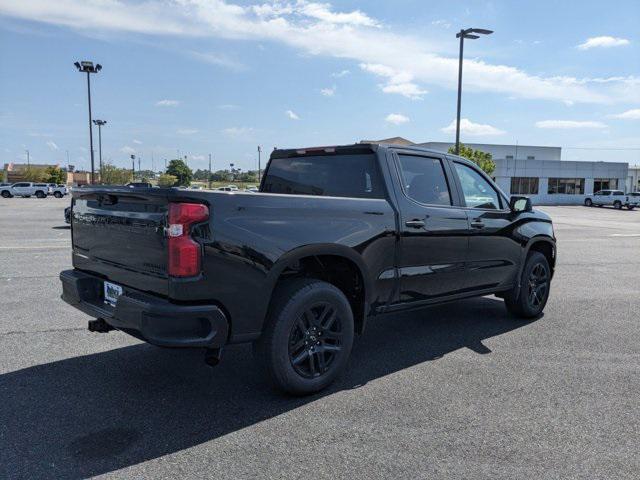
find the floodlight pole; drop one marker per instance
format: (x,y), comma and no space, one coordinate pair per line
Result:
(469,33)
(259,162)
(88,68)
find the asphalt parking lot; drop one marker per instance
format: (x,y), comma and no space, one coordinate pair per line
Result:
(454,391)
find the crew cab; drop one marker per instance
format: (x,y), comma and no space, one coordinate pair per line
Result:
(26,189)
(616,198)
(334,237)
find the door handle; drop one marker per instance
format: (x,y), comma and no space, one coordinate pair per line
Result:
(477,224)
(415,223)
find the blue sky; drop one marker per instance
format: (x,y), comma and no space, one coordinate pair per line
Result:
(221,77)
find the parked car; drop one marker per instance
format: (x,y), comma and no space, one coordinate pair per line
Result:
(336,236)
(139,185)
(616,198)
(57,191)
(26,189)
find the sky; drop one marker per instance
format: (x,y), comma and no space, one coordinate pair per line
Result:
(200,77)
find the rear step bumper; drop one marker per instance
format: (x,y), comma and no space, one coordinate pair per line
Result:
(146,317)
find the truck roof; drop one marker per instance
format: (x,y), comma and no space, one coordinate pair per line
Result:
(350,149)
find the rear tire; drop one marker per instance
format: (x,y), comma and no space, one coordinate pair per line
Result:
(40,194)
(6,194)
(57,194)
(307,337)
(529,300)
(588,202)
(631,207)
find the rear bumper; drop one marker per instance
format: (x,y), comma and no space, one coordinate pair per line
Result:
(145,316)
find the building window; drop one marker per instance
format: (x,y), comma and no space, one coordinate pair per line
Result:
(509,157)
(531,157)
(568,186)
(604,184)
(524,185)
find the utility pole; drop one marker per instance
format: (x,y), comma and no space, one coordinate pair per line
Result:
(133,167)
(28,160)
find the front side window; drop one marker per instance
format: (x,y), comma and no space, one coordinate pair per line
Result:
(342,175)
(568,186)
(477,191)
(524,185)
(424,180)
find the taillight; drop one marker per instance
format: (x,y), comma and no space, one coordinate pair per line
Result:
(184,252)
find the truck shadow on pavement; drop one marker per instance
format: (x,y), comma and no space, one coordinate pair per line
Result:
(98,413)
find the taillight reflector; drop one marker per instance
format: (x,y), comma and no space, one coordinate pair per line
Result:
(184,252)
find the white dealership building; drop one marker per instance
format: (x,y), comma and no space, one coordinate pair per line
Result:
(540,173)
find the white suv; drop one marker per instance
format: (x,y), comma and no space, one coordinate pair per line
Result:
(615,198)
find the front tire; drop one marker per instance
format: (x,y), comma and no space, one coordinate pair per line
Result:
(6,194)
(40,194)
(529,300)
(631,207)
(588,202)
(57,194)
(307,337)
(617,205)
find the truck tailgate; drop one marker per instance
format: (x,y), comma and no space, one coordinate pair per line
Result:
(119,234)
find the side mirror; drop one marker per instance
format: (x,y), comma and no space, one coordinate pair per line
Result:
(520,204)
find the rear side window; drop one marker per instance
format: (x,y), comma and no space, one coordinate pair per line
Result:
(325,175)
(424,180)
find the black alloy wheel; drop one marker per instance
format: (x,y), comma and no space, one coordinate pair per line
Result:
(538,285)
(315,340)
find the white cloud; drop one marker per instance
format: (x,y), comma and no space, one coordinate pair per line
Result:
(441,23)
(396,118)
(128,150)
(187,131)
(569,124)
(239,133)
(167,103)
(52,145)
(603,42)
(471,129)
(292,115)
(397,81)
(318,29)
(217,59)
(341,73)
(633,114)
(328,92)
(137,142)
(197,157)
(228,106)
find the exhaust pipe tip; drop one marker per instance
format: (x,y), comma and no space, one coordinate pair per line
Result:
(212,356)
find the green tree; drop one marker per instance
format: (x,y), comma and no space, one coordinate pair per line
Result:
(179,169)
(55,175)
(112,175)
(483,159)
(166,180)
(35,174)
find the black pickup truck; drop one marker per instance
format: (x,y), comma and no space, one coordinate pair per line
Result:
(335,236)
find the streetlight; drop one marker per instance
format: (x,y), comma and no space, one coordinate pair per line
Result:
(259,152)
(462,34)
(133,167)
(100,123)
(89,68)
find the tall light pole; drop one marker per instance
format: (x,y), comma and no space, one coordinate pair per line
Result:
(469,33)
(100,124)
(209,183)
(133,167)
(259,165)
(89,68)
(28,160)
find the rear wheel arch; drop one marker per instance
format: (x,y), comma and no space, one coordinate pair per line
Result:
(338,265)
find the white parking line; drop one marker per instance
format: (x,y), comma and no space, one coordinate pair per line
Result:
(625,235)
(37,247)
